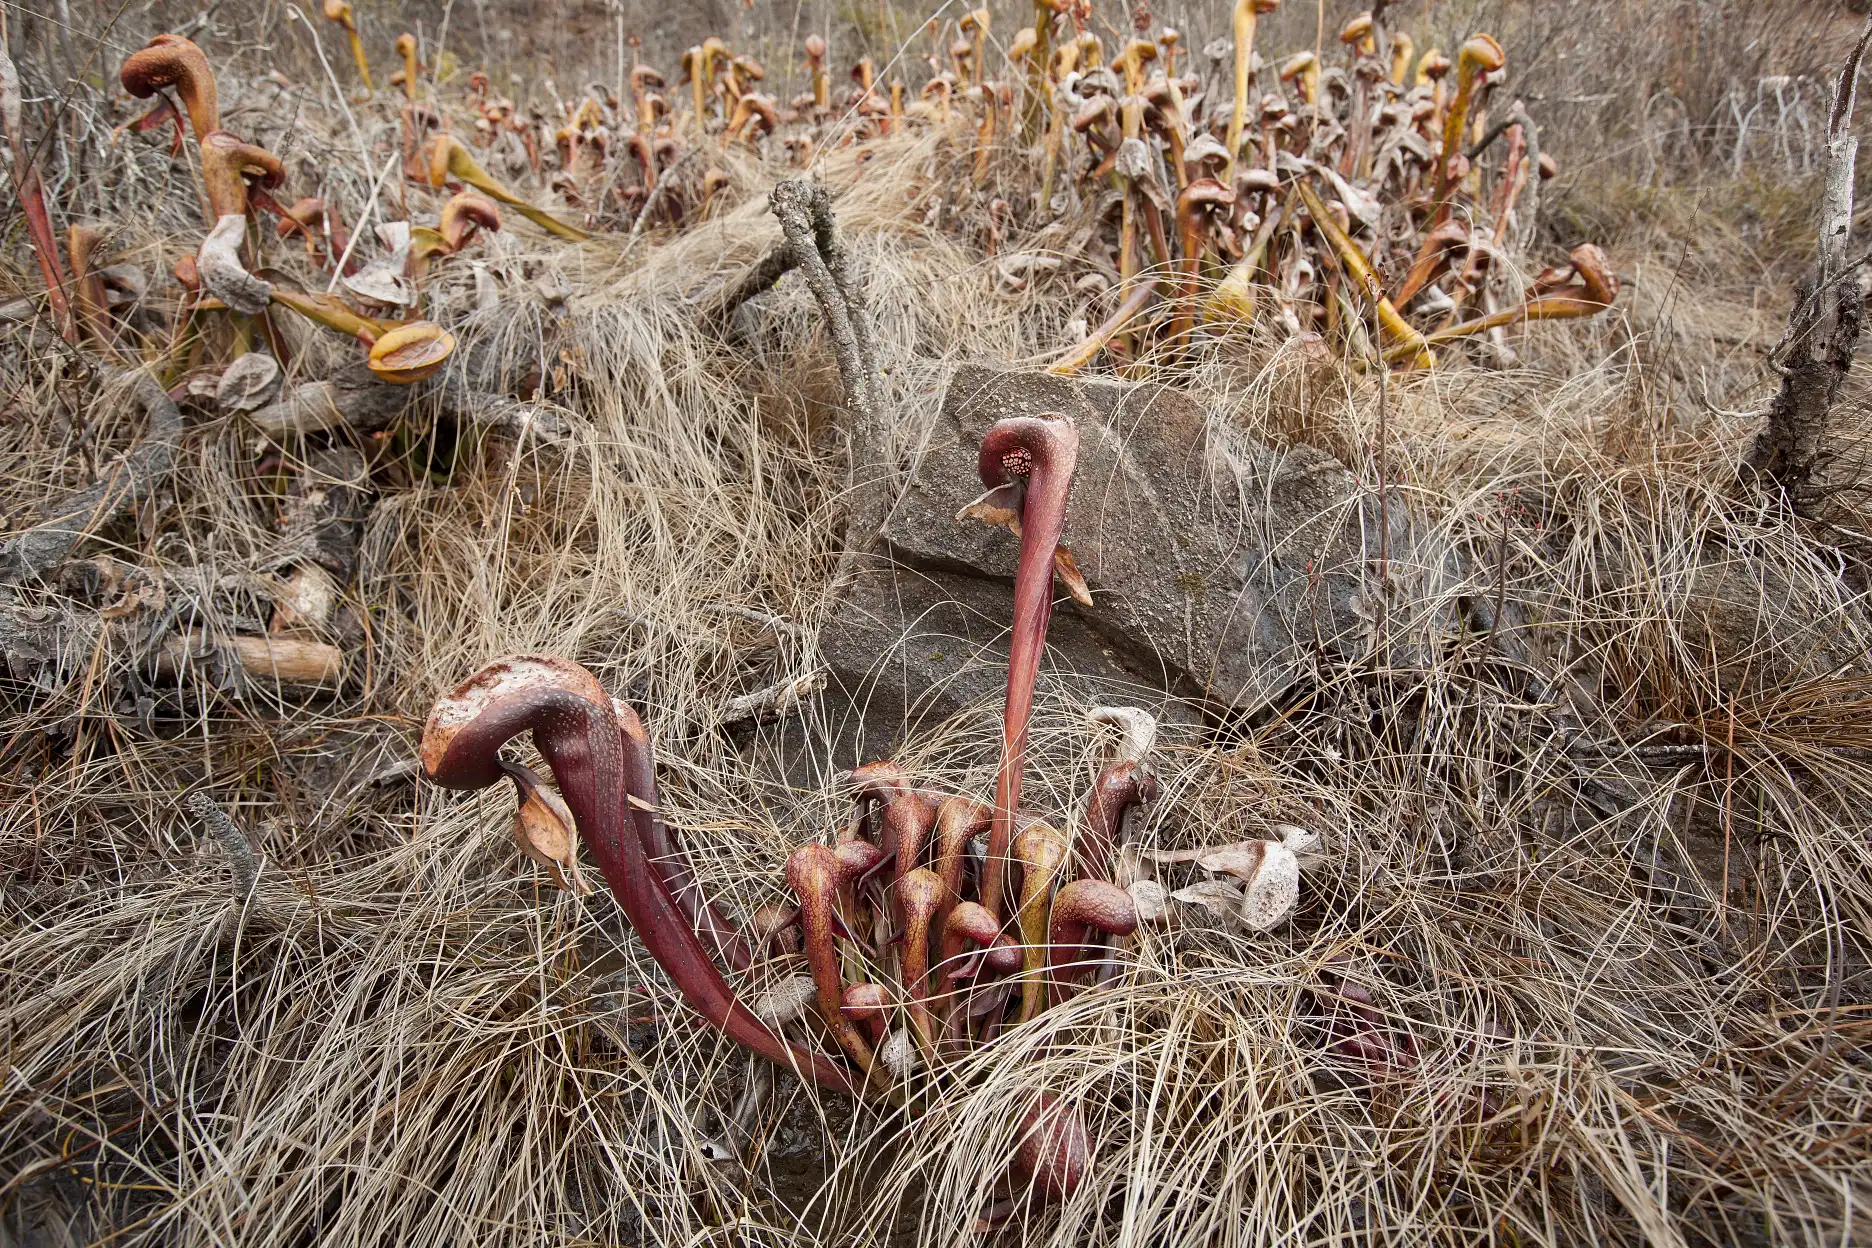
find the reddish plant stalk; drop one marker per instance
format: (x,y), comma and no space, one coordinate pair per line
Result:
(907,815)
(1190,204)
(919,897)
(816,875)
(1479,56)
(1044,855)
(667,858)
(1042,451)
(577,732)
(31,192)
(969,923)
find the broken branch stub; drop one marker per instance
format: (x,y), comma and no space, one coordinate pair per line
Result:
(810,244)
(289,662)
(243,862)
(805,216)
(1823,329)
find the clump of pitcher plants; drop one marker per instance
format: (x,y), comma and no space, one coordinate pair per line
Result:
(1373,198)
(924,926)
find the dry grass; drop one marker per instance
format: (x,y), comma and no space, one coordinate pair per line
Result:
(1609,874)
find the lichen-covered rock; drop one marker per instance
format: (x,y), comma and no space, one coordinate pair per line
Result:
(1222,570)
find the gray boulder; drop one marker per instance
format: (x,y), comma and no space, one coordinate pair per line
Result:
(1222,571)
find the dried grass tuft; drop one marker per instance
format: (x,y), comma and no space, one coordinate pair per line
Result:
(1611,877)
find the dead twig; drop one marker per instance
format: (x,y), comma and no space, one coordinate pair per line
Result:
(811,245)
(805,216)
(774,701)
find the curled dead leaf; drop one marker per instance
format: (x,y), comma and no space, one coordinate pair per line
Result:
(221,272)
(543,831)
(1133,162)
(1303,841)
(1269,873)
(1069,574)
(1241,860)
(383,284)
(395,237)
(1205,148)
(1137,728)
(1271,888)
(1000,508)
